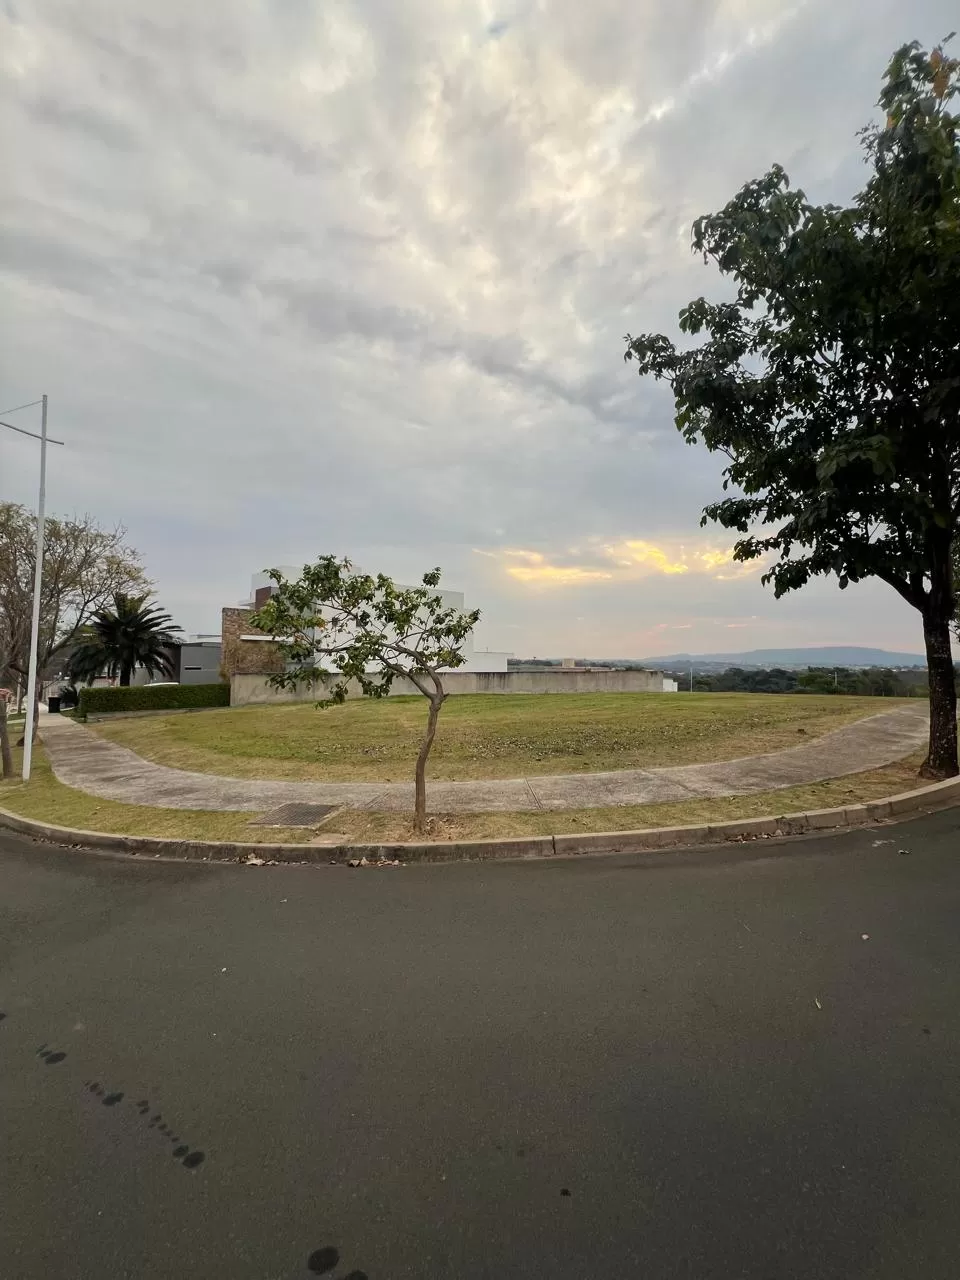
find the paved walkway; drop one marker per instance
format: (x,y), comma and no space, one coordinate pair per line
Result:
(83,760)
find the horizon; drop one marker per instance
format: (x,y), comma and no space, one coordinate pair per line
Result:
(719,655)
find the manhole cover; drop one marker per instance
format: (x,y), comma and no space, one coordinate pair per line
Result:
(294,815)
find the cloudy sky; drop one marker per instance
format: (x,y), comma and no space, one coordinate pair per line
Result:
(304,276)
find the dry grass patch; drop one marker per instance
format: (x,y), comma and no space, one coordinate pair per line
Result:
(484,736)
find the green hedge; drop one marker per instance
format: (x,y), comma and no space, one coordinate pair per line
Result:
(158,697)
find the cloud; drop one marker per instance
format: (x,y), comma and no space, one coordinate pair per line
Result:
(638,554)
(531,566)
(624,561)
(353,276)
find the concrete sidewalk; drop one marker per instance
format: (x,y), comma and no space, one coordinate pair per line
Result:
(89,763)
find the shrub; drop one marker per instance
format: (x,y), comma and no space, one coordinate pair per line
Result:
(157,697)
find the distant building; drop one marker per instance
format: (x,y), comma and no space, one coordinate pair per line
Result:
(198,660)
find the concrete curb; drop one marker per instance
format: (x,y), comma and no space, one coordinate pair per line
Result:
(941,795)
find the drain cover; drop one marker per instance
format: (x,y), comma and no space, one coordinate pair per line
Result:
(294,815)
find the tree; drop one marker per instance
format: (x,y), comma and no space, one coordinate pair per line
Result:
(335,626)
(129,634)
(84,567)
(832,381)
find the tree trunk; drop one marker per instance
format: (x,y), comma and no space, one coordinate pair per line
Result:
(420,803)
(5,754)
(941,761)
(125,674)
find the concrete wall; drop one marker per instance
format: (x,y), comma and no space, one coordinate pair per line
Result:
(199,662)
(246,689)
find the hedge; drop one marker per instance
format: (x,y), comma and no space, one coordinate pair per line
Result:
(157,697)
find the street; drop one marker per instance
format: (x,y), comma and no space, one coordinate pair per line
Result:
(739,1063)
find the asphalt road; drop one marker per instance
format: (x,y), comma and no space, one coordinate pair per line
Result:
(678,1066)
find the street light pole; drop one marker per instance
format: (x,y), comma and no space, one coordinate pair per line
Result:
(29,724)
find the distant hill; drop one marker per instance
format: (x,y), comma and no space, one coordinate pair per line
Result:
(825,656)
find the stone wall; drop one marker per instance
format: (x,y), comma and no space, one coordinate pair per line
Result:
(249,688)
(250,659)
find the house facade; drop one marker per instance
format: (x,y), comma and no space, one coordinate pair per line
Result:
(248,652)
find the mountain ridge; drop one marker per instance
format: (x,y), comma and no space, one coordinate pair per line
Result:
(813,656)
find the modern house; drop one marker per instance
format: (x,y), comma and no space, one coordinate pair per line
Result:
(249,657)
(247,651)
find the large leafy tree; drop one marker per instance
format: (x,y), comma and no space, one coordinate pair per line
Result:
(128,634)
(337,627)
(831,381)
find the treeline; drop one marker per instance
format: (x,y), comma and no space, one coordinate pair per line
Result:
(874,682)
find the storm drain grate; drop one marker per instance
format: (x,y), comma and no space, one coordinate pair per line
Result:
(294,815)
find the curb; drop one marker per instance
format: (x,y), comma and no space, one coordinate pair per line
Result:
(941,795)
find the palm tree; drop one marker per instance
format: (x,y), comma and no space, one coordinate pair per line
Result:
(133,633)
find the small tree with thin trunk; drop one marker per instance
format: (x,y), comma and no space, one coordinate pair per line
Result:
(335,626)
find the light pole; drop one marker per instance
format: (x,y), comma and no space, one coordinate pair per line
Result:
(29,724)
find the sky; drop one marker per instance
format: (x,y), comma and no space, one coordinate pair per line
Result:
(352,276)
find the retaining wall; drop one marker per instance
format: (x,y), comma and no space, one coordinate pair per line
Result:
(246,689)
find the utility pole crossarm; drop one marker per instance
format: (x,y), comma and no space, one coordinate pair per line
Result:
(32,434)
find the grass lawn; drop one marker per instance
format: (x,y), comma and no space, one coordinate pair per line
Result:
(48,800)
(485,736)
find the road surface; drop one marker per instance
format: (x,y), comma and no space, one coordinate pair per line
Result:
(740,1064)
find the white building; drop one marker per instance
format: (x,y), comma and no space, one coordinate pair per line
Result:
(475,659)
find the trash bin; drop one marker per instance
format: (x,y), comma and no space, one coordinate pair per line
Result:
(53,704)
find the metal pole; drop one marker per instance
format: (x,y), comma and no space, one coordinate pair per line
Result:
(29,723)
(691,677)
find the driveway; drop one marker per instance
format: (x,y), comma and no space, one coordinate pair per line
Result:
(645,1068)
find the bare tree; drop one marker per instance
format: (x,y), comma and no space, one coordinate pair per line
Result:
(84,566)
(334,626)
